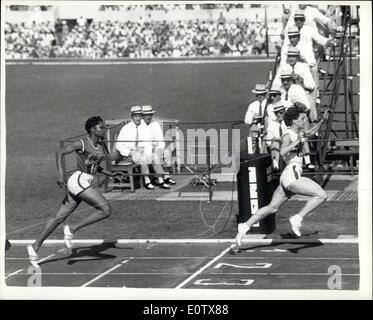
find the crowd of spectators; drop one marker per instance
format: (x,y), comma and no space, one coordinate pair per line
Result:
(24,41)
(172,7)
(145,39)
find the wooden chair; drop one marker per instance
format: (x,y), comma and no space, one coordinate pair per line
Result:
(122,166)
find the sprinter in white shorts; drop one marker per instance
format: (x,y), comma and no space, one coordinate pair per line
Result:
(291,181)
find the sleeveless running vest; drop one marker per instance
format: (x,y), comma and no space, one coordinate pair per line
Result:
(295,156)
(89,158)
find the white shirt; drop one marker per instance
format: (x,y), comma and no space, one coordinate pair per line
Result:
(156,134)
(295,94)
(274,132)
(126,140)
(300,69)
(306,53)
(307,34)
(254,110)
(270,113)
(311,15)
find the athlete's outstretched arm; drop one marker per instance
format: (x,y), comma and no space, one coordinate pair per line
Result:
(317,127)
(75,146)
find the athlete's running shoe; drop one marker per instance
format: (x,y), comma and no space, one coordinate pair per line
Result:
(242,229)
(296,223)
(67,236)
(33,256)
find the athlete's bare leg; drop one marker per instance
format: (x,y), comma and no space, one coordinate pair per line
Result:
(96,200)
(278,199)
(307,187)
(66,208)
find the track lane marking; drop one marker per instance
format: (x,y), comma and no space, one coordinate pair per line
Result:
(204,257)
(13,273)
(196,241)
(191,273)
(104,273)
(200,270)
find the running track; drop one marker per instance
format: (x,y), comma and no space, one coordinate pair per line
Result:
(259,264)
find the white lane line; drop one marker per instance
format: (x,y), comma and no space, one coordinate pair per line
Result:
(46,258)
(280,274)
(207,257)
(200,270)
(51,255)
(196,241)
(104,273)
(13,273)
(10,63)
(188,273)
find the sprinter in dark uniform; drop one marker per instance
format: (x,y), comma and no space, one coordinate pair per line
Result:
(90,152)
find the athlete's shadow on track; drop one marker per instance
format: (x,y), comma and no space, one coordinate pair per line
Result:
(303,244)
(90,253)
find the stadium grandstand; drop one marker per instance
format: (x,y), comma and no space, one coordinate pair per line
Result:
(139,31)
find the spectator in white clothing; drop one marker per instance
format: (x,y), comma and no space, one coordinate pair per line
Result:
(255,110)
(312,16)
(308,34)
(274,96)
(255,114)
(133,144)
(302,76)
(292,92)
(275,131)
(306,55)
(160,156)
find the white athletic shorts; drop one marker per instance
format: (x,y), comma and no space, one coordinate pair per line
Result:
(79,182)
(291,173)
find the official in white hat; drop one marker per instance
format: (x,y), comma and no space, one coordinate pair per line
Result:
(255,110)
(260,89)
(134,145)
(274,95)
(275,130)
(136,110)
(160,156)
(147,110)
